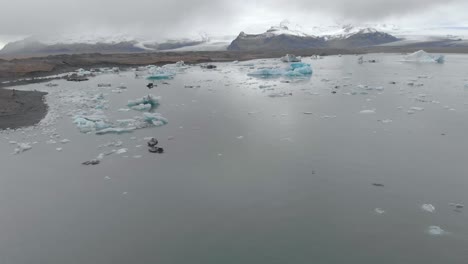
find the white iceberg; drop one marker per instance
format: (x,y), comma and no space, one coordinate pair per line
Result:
(150,99)
(428,208)
(115,130)
(422,56)
(22,147)
(290,58)
(436,231)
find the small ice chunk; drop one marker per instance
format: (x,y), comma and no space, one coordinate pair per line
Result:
(121,151)
(115,130)
(142,107)
(155,119)
(379,211)
(59,149)
(368,111)
(436,231)
(150,99)
(22,147)
(290,58)
(65,141)
(428,208)
(417,108)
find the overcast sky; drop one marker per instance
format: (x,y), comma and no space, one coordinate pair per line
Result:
(177,18)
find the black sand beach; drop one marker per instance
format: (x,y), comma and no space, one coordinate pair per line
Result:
(21,108)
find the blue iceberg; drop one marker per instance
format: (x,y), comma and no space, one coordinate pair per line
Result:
(160,76)
(143,103)
(297,69)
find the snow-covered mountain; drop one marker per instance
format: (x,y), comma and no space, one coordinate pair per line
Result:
(283,37)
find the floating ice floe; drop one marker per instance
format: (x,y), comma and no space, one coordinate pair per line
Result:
(428,208)
(290,58)
(297,69)
(155,119)
(379,211)
(165,72)
(115,130)
(436,231)
(145,103)
(88,124)
(422,56)
(368,111)
(22,147)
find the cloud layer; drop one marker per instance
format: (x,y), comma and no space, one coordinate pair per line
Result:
(172,18)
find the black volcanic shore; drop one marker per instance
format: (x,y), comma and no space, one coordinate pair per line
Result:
(26,108)
(21,108)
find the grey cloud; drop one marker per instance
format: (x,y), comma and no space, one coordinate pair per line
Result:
(164,17)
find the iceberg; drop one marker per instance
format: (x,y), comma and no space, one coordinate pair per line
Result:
(436,231)
(115,130)
(150,99)
(422,56)
(22,147)
(88,124)
(290,58)
(160,76)
(155,119)
(428,208)
(297,69)
(142,107)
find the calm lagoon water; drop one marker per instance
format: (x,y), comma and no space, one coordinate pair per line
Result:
(248,178)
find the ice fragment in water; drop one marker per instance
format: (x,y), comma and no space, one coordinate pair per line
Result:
(150,99)
(297,69)
(290,58)
(436,231)
(379,211)
(115,130)
(428,208)
(121,151)
(370,111)
(155,119)
(22,147)
(422,56)
(142,107)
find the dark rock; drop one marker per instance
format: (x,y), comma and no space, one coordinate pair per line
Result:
(91,162)
(153,142)
(155,149)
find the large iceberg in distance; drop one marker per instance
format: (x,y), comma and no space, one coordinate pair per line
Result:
(422,56)
(290,58)
(166,72)
(297,69)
